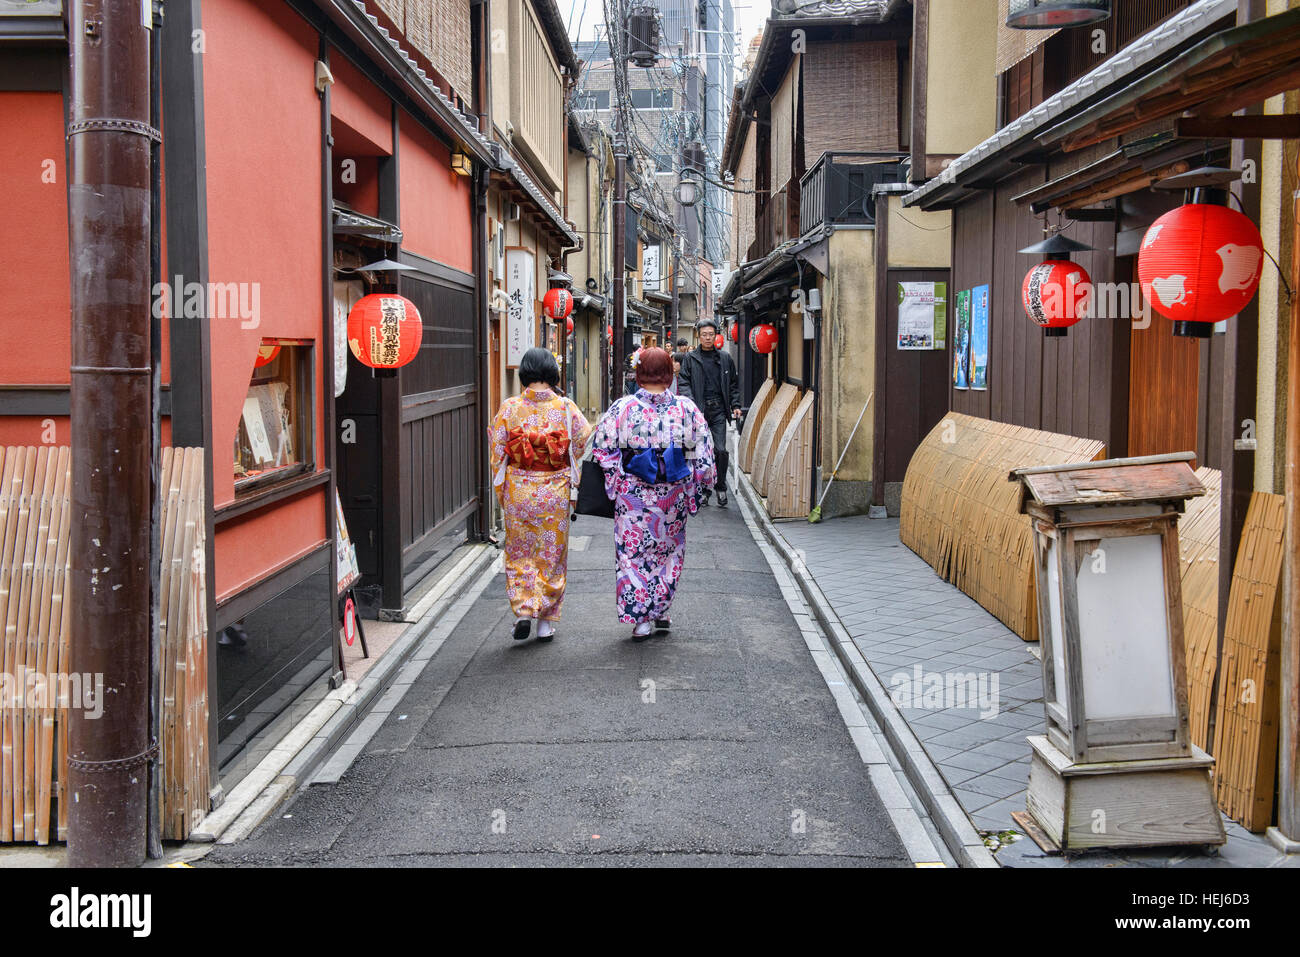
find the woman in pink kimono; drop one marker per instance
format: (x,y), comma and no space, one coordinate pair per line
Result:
(657,454)
(530,440)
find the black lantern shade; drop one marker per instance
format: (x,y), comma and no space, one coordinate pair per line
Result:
(1051,14)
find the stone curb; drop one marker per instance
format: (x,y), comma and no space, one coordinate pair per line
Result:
(305,748)
(954,826)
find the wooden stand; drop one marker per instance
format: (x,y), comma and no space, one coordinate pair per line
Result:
(1150,803)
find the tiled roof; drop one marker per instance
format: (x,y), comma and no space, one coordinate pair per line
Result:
(1166,36)
(836,8)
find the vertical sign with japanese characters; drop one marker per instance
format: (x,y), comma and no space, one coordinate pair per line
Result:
(521,329)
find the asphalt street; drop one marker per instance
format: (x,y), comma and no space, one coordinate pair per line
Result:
(717,743)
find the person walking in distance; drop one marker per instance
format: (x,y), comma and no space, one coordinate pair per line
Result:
(709,379)
(656,451)
(530,442)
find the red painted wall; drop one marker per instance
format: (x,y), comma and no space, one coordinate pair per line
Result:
(263,129)
(361,105)
(34,429)
(435,202)
(35,303)
(297,526)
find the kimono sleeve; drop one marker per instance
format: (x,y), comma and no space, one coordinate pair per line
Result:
(606,450)
(497,449)
(582,430)
(703,469)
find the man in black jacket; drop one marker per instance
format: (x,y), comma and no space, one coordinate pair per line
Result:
(709,379)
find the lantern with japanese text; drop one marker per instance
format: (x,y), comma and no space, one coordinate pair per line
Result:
(763,338)
(568,326)
(384,330)
(266,354)
(1200,264)
(609,333)
(1055,294)
(557,304)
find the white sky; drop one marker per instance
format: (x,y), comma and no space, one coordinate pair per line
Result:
(750,15)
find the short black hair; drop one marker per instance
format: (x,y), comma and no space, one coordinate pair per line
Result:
(681,342)
(539,365)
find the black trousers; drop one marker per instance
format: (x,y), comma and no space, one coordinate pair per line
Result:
(718,426)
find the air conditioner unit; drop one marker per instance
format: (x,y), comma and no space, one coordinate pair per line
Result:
(643,36)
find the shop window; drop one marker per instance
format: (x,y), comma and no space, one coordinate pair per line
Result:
(274,441)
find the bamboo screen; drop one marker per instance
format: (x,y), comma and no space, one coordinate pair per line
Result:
(962,515)
(35,516)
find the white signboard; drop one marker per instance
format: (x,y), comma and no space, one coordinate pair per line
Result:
(346,295)
(521,328)
(650,268)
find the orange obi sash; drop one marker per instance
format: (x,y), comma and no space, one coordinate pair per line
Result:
(537,451)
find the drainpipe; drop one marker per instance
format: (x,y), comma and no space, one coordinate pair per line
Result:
(482,177)
(109,139)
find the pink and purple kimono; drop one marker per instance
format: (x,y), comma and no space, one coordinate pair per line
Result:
(650,518)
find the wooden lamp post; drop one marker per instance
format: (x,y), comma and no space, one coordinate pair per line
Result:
(1116,766)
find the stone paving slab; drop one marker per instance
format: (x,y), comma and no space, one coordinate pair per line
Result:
(901,615)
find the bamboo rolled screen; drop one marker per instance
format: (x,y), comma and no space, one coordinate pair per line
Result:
(1246,726)
(35,517)
(1198,554)
(961,514)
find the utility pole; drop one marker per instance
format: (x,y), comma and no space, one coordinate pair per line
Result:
(618,47)
(109,141)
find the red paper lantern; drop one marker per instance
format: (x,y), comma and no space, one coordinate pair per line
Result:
(1055,294)
(384,330)
(568,327)
(266,354)
(609,333)
(763,338)
(1200,263)
(557,303)
(735,332)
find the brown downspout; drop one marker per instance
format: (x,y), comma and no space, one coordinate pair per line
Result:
(882,343)
(109,138)
(482,288)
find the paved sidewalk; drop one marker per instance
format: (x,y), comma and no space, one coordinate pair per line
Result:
(718,744)
(909,623)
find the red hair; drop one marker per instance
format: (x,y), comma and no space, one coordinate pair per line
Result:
(654,368)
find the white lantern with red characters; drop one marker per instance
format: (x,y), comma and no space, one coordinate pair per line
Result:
(763,338)
(1200,264)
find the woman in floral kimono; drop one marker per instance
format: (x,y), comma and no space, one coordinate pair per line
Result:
(657,455)
(530,441)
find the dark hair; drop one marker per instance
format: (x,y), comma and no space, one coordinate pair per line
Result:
(655,368)
(681,342)
(539,365)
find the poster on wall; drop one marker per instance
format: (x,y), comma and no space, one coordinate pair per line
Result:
(521,324)
(979,338)
(922,315)
(349,567)
(961,343)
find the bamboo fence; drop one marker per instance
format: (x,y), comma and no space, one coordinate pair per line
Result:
(35,517)
(1198,554)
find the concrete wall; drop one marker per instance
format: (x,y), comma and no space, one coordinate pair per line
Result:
(1277,181)
(848,366)
(961,82)
(918,238)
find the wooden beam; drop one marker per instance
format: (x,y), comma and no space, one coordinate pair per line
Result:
(1257,126)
